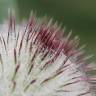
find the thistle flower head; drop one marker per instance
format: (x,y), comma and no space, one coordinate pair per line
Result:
(38,59)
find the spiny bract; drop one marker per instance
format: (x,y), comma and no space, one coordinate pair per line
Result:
(38,59)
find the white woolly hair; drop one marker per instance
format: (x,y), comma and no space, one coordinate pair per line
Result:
(38,59)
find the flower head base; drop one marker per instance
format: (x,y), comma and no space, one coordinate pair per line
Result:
(36,60)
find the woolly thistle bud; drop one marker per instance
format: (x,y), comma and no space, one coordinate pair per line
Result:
(38,59)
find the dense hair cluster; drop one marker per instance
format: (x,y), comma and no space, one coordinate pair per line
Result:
(38,59)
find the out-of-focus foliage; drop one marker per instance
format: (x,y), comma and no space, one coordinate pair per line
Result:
(5,5)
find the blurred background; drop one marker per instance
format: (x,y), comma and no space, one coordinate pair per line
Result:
(78,15)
